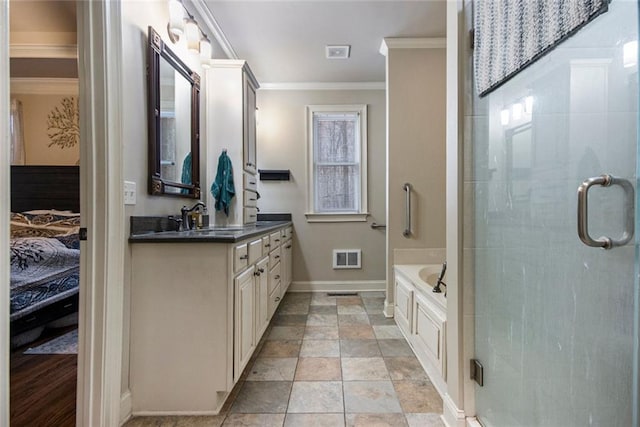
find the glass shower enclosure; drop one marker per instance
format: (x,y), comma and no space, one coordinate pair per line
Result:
(554,318)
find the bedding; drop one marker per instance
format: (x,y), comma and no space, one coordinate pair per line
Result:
(45,259)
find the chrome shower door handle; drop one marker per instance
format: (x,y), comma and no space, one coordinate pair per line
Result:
(583,211)
(407,221)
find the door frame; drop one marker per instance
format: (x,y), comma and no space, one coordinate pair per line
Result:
(102,213)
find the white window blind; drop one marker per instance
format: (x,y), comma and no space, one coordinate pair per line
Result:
(337,163)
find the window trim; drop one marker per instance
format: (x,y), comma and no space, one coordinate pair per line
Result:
(363,213)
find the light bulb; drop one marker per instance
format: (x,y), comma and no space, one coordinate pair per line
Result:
(205,51)
(516,111)
(176,17)
(192,32)
(630,54)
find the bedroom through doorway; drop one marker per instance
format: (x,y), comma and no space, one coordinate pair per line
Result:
(45,213)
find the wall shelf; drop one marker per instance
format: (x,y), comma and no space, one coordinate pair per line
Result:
(275,174)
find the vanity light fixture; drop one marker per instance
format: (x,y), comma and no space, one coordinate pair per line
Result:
(176,18)
(182,23)
(205,51)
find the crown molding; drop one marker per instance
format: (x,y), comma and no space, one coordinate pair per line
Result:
(43,86)
(411,43)
(324,86)
(212,24)
(43,51)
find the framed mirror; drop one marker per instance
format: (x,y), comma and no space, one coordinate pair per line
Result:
(174,122)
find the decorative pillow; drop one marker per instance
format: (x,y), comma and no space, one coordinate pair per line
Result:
(44,224)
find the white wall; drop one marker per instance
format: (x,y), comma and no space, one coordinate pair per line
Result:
(416,152)
(281,144)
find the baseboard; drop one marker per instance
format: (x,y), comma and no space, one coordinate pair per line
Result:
(388,308)
(453,416)
(338,286)
(125,407)
(473,422)
(175,413)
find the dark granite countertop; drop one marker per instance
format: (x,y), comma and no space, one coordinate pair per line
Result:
(230,234)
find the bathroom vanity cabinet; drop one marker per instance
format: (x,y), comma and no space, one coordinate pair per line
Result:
(231,125)
(198,311)
(421,315)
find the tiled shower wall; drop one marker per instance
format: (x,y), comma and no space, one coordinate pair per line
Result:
(553,318)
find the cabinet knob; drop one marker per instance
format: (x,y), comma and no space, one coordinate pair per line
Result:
(244,256)
(277,240)
(261,270)
(277,277)
(277,299)
(288,247)
(277,256)
(256,273)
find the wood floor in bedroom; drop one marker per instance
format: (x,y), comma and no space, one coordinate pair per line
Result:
(43,387)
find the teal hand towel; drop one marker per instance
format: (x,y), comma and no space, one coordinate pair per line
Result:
(222,188)
(186,173)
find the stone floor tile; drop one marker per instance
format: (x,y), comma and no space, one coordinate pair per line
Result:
(281,348)
(323,309)
(262,397)
(289,320)
(320,348)
(318,369)
(321,333)
(424,420)
(322,320)
(376,420)
(370,397)
(254,420)
(373,294)
(405,368)
(286,333)
(395,348)
(351,309)
(327,397)
(364,369)
(200,421)
(380,319)
(376,308)
(418,397)
(322,299)
(273,369)
(314,420)
(348,301)
(295,307)
(359,348)
(353,319)
(385,332)
(356,332)
(297,296)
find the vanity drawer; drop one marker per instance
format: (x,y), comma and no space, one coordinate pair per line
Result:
(255,250)
(289,232)
(250,215)
(265,245)
(274,256)
(250,199)
(240,257)
(250,182)
(275,239)
(274,277)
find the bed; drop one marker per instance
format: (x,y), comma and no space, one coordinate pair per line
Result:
(44,249)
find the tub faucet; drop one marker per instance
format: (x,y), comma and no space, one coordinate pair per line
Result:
(436,288)
(185,214)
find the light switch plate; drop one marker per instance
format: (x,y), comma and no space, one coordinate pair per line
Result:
(129,193)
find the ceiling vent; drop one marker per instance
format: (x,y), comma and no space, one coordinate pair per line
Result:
(338,52)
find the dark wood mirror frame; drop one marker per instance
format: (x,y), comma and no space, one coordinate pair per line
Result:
(157,49)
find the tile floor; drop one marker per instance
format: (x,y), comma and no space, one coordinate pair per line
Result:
(327,361)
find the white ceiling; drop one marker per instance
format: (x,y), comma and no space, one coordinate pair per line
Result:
(284,41)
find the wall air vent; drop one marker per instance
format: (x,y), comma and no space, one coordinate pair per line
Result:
(337,52)
(347,258)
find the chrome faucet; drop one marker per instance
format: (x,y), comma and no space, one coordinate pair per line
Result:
(185,214)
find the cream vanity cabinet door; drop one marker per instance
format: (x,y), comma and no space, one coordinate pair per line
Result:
(286,265)
(262,296)
(249,147)
(244,328)
(403,304)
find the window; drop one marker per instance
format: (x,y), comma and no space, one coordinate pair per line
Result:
(337,171)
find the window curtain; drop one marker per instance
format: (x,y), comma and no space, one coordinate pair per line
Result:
(16,131)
